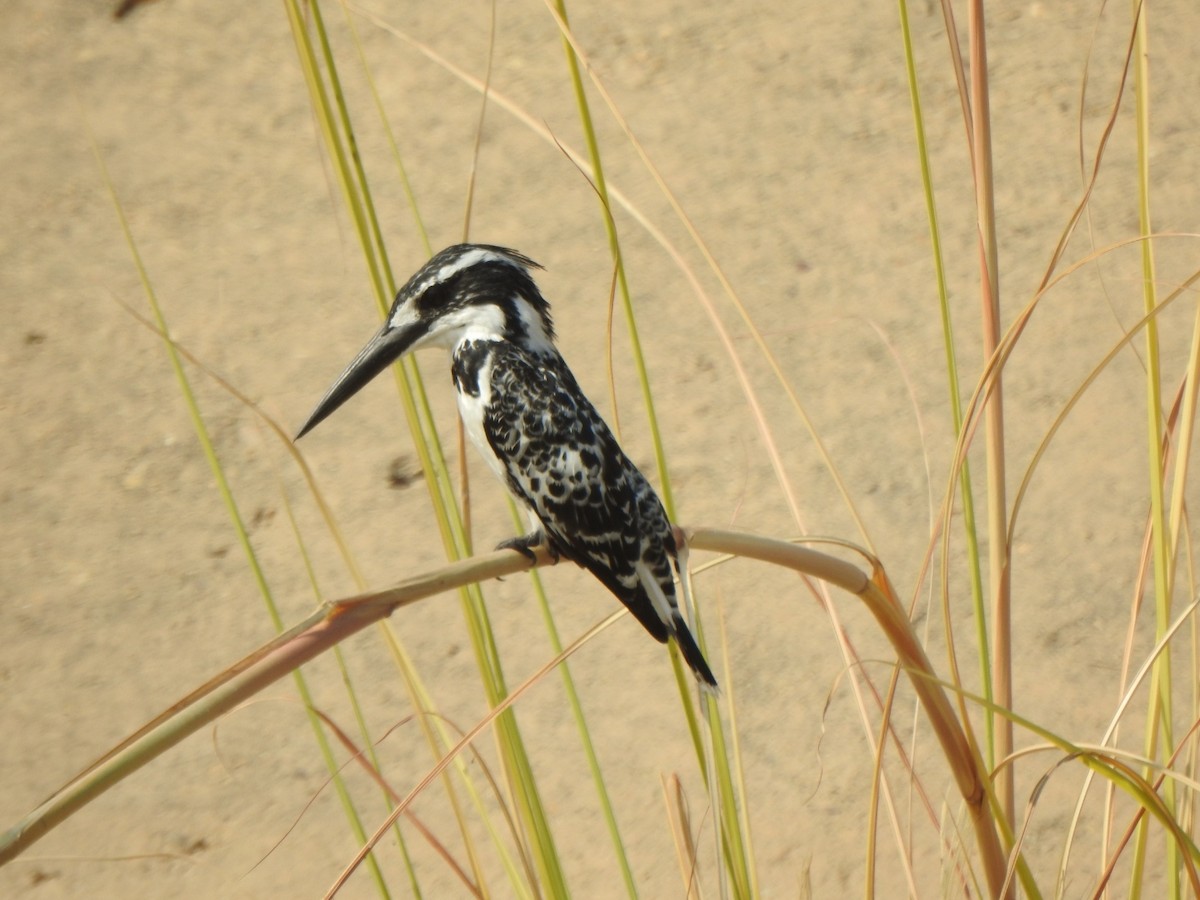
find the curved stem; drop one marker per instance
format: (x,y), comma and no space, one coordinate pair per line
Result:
(875,591)
(337,621)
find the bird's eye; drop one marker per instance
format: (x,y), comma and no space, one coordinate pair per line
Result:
(435,296)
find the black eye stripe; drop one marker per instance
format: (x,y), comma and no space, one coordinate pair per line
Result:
(485,281)
(438,295)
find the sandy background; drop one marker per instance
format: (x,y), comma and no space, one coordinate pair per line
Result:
(785,129)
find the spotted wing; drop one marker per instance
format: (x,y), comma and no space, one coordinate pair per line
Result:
(564,464)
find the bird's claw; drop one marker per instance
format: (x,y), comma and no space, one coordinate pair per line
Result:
(526,545)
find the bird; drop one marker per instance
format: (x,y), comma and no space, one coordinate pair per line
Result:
(524,411)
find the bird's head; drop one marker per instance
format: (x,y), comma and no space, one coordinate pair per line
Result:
(465,292)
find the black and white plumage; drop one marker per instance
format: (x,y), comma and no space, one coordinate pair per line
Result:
(523,409)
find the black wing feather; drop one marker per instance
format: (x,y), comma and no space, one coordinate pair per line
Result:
(594,504)
(565,465)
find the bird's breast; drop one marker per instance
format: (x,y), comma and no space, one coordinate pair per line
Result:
(472,372)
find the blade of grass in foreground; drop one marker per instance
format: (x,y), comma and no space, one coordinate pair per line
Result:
(999,580)
(338,132)
(226,492)
(585,736)
(970,528)
(1159,739)
(370,241)
(711,753)
(635,345)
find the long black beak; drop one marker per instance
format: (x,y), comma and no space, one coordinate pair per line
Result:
(381,351)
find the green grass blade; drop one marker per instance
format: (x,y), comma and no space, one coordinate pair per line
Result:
(682,679)
(974,567)
(1159,730)
(585,737)
(239,526)
(338,132)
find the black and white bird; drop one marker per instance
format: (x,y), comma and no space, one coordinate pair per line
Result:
(523,409)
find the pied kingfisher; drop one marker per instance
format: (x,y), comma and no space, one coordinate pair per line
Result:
(525,412)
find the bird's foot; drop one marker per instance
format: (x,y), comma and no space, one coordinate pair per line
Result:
(527,543)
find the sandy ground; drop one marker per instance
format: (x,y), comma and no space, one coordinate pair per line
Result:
(786,130)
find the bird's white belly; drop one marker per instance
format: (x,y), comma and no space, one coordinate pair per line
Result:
(471,409)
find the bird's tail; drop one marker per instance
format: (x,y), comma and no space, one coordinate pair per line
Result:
(662,600)
(683,637)
(691,651)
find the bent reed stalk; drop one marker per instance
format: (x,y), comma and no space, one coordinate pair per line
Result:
(335,621)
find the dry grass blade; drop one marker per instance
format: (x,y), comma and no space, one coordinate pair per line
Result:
(335,622)
(681,831)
